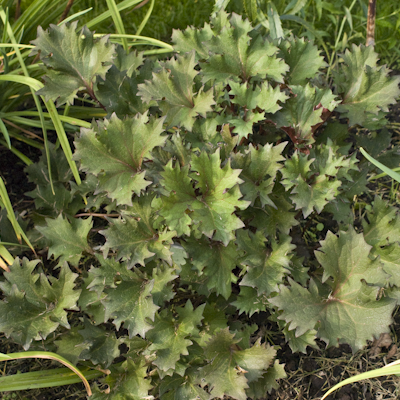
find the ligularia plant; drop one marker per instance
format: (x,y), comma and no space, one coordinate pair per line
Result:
(194,228)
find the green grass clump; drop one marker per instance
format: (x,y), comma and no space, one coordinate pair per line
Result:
(166,16)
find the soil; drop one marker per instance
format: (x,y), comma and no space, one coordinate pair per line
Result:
(309,375)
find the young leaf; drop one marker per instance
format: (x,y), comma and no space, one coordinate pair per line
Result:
(162,289)
(192,39)
(255,360)
(269,219)
(221,374)
(300,343)
(75,59)
(104,276)
(249,302)
(268,381)
(214,320)
(244,126)
(311,187)
(128,63)
(170,339)
(264,96)
(213,208)
(259,167)
(220,197)
(114,151)
(135,238)
(365,88)
(238,55)
(172,87)
(265,267)
(304,111)
(176,207)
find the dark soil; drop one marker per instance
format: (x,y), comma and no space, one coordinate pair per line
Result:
(14,177)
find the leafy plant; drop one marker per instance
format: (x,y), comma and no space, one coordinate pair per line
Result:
(201,184)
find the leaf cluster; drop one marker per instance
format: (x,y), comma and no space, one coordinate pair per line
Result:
(198,191)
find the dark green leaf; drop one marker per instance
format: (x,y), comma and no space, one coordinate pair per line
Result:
(259,167)
(99,346)
(347,312)
(249,302)
(68,239)
(215,261)
(75,59)
(131,303)
(266,266)
(114,151)
(230,369)
(35,304)
(127,381)
(170,338)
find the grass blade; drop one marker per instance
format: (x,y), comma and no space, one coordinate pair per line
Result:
(6,135)
(116,17)
(62,136)
(385,169)
(35,97)
(18,45)
(6,203)
(146,18)
(107,14)
(43,379)
(276,30)
(147,40)
(26,160)
(73,16)
(5,258)
(18,116)
(390,369)
(49,356)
